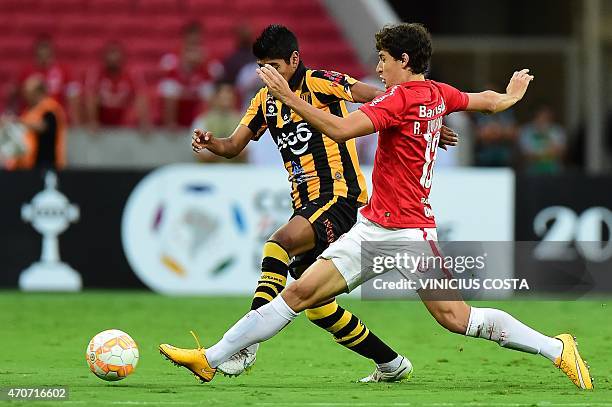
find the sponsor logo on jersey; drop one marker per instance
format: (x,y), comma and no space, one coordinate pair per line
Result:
(333,76)
(271,109)
(429,113)
(296,140)
(382,97)
(298,174)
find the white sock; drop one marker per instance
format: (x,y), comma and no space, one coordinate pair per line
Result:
(391,366)
(508,332)
(256,326)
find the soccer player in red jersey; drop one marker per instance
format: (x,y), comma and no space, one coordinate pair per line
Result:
(59,81)
(408,117)
(113,89)
(187,79)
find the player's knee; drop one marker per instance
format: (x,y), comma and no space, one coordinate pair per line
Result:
(284,239)
(299,296)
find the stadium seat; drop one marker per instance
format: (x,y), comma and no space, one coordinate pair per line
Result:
(76,25)
(64,6)
(12,47)
(150,48)
(220,26)
(109,6)
(7,6)
(150,28)
(204,7)
(124,27)
(260,7)
(35,24)
(167,26)
(304,8)
(166,7)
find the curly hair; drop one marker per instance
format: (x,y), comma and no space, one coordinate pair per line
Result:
(275,41)
(410,38)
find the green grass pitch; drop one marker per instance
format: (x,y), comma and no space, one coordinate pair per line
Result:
(43,339)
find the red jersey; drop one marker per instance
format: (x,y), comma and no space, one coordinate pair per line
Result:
(57,80)
(116,93)
(408,118)
(190,87)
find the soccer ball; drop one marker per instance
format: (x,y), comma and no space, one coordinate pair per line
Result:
(112,355)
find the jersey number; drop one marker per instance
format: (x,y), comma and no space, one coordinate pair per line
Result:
(431,153)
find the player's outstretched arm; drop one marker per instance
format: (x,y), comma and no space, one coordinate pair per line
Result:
(337,128)
(363,93)
(492,102)
(225,147)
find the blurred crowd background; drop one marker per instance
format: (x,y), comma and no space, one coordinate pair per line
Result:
(131,78)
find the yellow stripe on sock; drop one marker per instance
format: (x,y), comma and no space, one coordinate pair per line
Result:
(344,319)
(358,340)
(273,249)
(265,296)
(272,286)
(322,311)
(353,333)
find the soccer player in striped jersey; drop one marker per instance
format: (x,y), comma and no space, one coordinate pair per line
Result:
(408,117)
(327,188)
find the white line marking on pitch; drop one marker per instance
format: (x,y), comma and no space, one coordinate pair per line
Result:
(470,404)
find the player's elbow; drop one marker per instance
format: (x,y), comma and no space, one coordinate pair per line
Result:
(336,135)
(230,149)
(229,154)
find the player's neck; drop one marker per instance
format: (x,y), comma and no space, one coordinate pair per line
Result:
(410,77)
(407,77)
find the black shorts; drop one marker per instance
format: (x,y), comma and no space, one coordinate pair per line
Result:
(330,217)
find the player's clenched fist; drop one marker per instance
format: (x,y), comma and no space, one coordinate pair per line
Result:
(518,83)
(200,140)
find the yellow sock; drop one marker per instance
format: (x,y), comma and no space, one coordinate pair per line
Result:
(274,270)
(350,332)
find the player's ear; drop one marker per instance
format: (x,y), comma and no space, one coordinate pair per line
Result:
(295,59)
(405,60)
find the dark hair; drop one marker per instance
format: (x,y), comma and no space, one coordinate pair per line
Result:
(113,44)
(410,38)
(192,27)
(221,83)
(43,39)
(275,41)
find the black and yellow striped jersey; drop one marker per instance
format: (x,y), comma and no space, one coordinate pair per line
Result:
(317,165)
